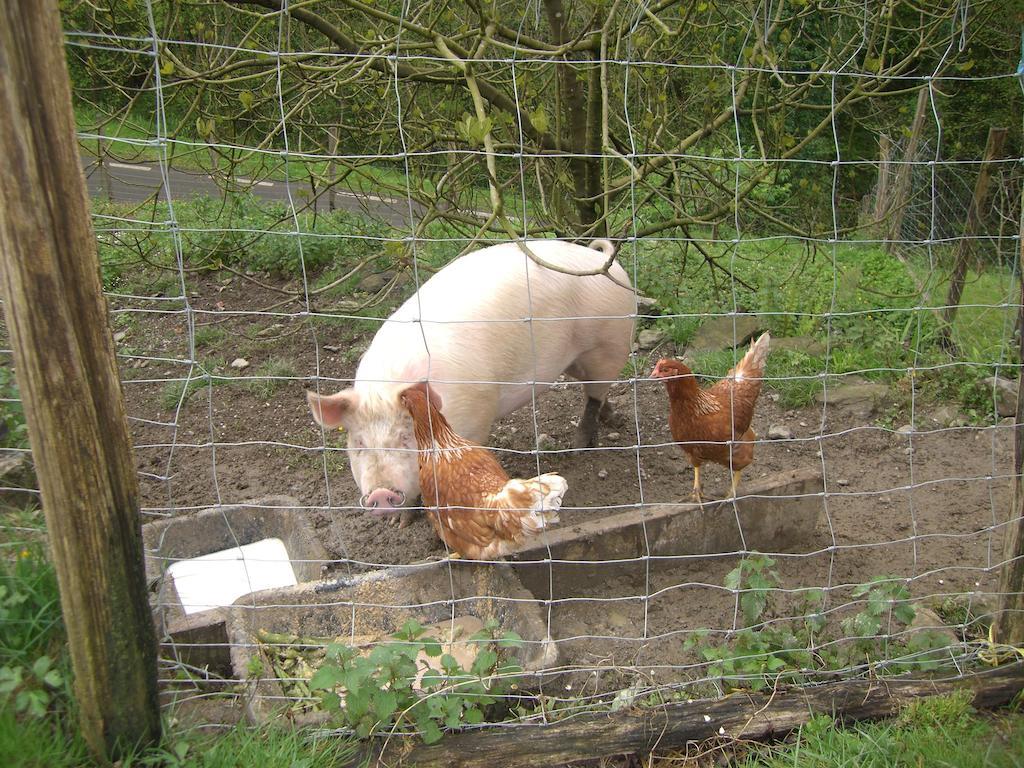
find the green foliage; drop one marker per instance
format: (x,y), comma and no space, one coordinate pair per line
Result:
(375,691)
(29,606)
(30,689)
(755,577)
(12,416)
(887,600)
(763,653)
(33,662)
(757,657)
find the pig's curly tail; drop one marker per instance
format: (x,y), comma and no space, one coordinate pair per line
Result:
(607,247)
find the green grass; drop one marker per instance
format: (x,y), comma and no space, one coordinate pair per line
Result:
(943,731)
(208,336)
(47,743)
(244,746)
(172,392)
(277,373)
(862,301)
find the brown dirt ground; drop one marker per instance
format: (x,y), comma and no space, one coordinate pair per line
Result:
(230,444)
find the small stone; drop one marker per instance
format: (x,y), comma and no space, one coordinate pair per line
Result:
(945,416)
(804,424)
(805,344)
(602,474)
(373,283)
(331,348)
(773,396)
(1005,394)
(908,450)
(779,432)
(926,620)
(853,394)
(906,429)
(842,482)
(271,330)
(543,441)
(725,332)
(13,464)
(614,435)
(650,338)
(239,363)
(119,336)
(645,305)
(959,421)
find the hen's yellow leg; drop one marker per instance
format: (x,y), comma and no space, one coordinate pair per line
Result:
(696,483)
(735,481)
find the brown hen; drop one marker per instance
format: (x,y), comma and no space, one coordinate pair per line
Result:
(473,505)
(713,424)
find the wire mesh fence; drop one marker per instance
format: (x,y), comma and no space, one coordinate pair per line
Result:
(271,181)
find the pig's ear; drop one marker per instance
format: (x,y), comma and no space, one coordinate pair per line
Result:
(332,411)
(426,389)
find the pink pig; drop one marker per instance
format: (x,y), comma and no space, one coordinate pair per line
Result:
(489,332)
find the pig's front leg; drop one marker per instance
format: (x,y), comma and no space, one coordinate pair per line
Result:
(404,518)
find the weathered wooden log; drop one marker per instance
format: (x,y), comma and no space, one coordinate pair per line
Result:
(67,373)
(741,716)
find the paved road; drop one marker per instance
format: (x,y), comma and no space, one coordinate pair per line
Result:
(137,182)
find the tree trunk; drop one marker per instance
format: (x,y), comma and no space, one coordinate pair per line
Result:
(64,356)
(584,166)
(884,179)
(901,192)
(975,214)
(332,166)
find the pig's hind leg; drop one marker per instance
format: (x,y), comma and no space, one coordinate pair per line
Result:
(597,369)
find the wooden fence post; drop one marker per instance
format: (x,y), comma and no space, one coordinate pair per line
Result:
(901,190)
(885,146)
(975,213)
(1009,625)
(67,373)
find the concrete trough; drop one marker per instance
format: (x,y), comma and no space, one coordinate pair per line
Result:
(191,585)
(369,607)
(778,513)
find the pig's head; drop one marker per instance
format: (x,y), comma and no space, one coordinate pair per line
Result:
(381,444)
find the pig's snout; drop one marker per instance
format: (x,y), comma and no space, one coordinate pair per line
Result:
(383,501)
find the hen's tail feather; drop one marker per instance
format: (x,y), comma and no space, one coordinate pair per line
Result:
(753,362)
(539,498)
